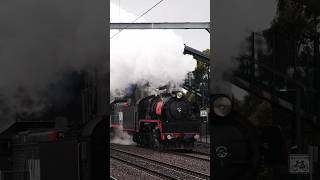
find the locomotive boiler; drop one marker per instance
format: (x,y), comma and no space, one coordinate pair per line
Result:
(162,121)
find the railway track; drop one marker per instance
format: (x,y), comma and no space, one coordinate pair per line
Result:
(194,155)
(160,169)
(146,170)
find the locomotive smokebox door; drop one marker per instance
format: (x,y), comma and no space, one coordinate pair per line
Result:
(234,153)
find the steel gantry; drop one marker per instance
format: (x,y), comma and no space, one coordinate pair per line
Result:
(162,25)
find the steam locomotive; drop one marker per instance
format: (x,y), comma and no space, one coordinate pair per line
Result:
(162,121)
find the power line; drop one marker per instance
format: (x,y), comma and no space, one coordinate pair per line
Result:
(138,17)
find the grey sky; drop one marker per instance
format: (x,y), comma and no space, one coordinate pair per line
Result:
(175,11)
(233,20)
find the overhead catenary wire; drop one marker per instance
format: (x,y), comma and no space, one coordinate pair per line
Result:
(120,30)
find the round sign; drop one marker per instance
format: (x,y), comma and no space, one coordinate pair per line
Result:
(221,151)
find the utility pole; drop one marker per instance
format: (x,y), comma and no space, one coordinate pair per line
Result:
(317,64)
(207,102)
(252,64)
(202,85)
(299,138)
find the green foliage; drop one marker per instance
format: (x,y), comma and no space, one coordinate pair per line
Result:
(247,106)
(292,33)
(259,112)
(200,70)
(265,174)
(199,73)
(190,97)
(262,115)
(289,42)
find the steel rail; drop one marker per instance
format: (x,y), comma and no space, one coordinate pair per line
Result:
(191,155)
(144,169)
(183,170)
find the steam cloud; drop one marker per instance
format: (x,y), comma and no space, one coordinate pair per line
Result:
(141,56)
(40,40)
(121,137)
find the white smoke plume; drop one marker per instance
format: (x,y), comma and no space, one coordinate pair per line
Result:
(121,137)
(140,56)
(40,40)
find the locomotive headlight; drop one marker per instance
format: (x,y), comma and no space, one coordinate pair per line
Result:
(179,95)
(169,137)
(222,106)
(196,136)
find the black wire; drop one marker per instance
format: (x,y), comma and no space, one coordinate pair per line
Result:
(138,17)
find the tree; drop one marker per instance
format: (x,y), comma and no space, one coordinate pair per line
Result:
(198,76)
(257,111)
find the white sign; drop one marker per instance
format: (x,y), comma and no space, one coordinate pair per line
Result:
(299,164)
(203,113)
(120,116)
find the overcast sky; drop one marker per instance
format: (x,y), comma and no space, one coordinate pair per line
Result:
(175,11)
(233,20)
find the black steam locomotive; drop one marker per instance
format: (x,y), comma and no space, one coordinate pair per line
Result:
(162,121)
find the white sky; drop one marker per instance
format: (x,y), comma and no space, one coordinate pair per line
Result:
(234,20)
(175,11)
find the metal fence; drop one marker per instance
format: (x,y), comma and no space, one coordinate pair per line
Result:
(15,175)
(204,133)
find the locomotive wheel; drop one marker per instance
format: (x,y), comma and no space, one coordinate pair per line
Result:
(154,139)
(188,151)
(163,146)
(145,139)
(112,133)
